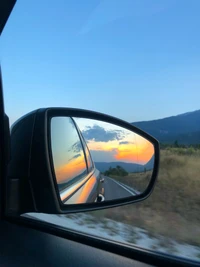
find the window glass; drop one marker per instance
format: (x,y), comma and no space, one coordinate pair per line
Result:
(68,156)
(138,60)
(88,157)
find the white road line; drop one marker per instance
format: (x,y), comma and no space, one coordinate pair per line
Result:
(133,190)
(133,194)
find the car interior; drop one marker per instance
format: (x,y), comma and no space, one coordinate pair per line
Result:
(30,181)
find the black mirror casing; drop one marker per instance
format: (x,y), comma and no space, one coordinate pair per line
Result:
(31,184)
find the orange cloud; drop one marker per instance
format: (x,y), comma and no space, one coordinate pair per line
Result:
(70,170)
(140,154)
(138,150)
(103,146)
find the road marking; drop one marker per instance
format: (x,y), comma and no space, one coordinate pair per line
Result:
(133,194)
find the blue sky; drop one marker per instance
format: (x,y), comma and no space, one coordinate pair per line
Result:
(134,59)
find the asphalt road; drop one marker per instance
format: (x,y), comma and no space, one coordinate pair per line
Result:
(114,189)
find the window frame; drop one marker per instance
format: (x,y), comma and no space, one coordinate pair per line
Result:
(84,143)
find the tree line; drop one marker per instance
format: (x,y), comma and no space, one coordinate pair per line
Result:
(177,145)
(118,171)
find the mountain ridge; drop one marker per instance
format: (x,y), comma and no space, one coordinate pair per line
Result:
(172,116)
(129,167)
(184,128)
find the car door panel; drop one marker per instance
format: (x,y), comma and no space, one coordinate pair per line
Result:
(21,246)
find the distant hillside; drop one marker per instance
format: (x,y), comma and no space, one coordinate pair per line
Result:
(129,167)
(184,128)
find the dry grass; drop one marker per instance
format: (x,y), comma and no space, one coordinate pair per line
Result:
(138,181)
(173,210)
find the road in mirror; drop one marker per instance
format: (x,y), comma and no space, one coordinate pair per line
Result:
(96,161)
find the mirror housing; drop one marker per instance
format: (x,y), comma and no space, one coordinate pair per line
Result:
(31,183)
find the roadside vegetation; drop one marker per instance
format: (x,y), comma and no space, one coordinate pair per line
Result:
(118,171)
(173,208)
(136,180)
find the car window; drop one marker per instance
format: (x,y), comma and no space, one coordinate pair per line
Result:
(67,151)
(138,60)
(88,157)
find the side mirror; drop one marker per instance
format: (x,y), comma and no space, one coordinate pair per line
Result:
(70,160)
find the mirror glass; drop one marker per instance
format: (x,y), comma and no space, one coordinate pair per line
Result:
(96,161)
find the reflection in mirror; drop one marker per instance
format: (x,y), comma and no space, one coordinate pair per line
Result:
(68,155)
(97,161)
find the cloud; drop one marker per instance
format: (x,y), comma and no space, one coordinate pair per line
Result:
(75,156)
(108,11)
(99,134)
(124,142)
(76,147)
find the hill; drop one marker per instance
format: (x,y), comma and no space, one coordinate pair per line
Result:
(129,167)
(185,128)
